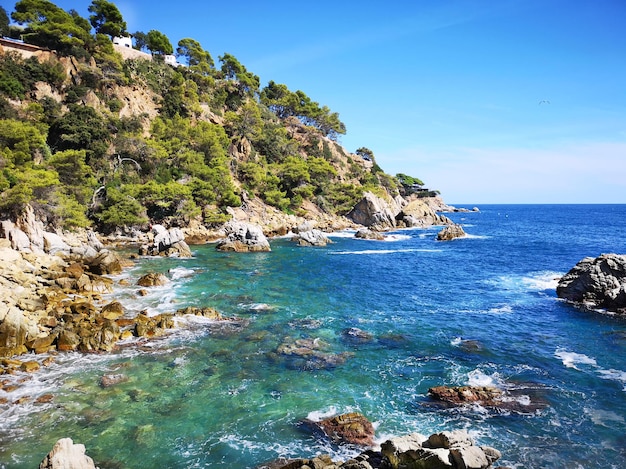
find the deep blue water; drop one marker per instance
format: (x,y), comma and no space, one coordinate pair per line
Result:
(476,310)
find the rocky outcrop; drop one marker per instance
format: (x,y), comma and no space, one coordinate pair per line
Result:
(451,232)
(599,283)
(153,279)
(365,233)
(418,213)
(454,450)
(164,242)
(352,428)
(445,450)
(243,237)
(522,399)
(311,238)
(374,212)
(67,455)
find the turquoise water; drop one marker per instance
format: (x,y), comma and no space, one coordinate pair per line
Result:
(477,310)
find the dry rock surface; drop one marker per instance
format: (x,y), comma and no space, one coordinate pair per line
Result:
(598,283)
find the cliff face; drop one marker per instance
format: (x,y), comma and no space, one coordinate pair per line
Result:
(170,146)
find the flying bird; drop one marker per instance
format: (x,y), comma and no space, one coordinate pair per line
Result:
(544,101)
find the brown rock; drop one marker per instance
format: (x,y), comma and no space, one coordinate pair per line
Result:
(352,428)
(74,270)
(30,366)
(112,311)
(457,395)
(451,232)
(152,280)
(44,399)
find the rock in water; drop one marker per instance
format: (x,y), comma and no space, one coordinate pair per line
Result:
(352,428)
(374,212)
(599,283)
(67,455)
(243,237)
(451,232)
(311,238)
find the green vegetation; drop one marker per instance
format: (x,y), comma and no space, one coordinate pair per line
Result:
(72,146)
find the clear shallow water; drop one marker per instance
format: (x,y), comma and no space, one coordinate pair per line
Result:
(222,396)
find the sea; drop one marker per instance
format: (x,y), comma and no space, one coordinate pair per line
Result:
(357,326)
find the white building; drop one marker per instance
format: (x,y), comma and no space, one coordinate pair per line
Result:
(123,41)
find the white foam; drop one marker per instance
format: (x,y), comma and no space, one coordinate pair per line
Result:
(614,375)
(396,237)
(605,418)
(504,309)
(571,359)
(180,272)
(480,378)
(256,306)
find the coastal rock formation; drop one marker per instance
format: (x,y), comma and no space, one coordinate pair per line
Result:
(596,282)
(451,232)
(454,450)
(457,395)
(445,450)
(311,238)
(374,212)
(164,242)
(364,233)
(243,237)
(153,279)
(417,213)
(352,428)
(67,455)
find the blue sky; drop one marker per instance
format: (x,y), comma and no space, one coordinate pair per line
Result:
(507,101)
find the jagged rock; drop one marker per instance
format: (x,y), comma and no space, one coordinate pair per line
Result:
(418,213)
(18,239)
(153,279)
(112,311)
(597,282)
(67,455)
(105,262)
(364,233)
(311,238)
(352,428)
(170,243)
(14,329)
(373,212)
(457,395)
(454,450)
(243,237)
(94,242)
(451,232)
(53,243)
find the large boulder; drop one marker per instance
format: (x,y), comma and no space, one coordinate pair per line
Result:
(596,282)
(454,450)
(418,213)
(170,243)
(374,212)
(243,237)
(451,232)
(351,428)
(67,455)
(311,238)
(104,262)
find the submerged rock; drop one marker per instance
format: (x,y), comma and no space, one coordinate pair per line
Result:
(596,282)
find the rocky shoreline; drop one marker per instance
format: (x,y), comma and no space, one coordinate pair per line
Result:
(53,292)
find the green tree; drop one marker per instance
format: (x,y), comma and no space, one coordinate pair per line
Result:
(158,43)
(20,143)
(232,69)
(140,40)
(82,128)
(107,19)
(49,26)
(4,22)
(196,57)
